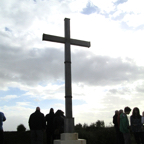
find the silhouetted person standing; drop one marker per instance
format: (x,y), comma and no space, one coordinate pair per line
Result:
(124,125)
(137,126)
(115,122)
(49,126)
(121,138)
(58,124)
(37,126)
(2,118)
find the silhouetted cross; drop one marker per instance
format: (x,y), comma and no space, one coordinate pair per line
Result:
(69,120)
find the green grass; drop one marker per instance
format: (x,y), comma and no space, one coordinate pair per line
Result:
(99,135)
(93,135)
(17,137)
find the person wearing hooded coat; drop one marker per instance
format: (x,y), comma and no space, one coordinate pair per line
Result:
(58,124)
(49,126)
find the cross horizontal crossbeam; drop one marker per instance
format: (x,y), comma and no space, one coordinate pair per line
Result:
(59,39)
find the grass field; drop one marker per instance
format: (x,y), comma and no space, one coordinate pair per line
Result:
(93,135)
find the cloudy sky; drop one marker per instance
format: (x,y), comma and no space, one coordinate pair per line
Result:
(107,76)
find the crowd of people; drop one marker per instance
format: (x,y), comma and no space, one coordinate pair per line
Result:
(124,129)
(52,124)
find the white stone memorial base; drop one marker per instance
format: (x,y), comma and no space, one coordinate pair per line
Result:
(70,138)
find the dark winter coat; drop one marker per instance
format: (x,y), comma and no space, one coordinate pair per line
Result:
(115,121)
(136,124)
(37,121)
(58,124)
(49,122)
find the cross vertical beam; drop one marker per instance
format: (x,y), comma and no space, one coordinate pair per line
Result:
(69,121)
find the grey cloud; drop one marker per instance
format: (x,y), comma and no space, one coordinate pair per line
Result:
(120,2)
(119,96)
(22,15)
(113,102)
(30,67)
(7,29)
(90,8)
(140,88)
(140,27)
(105,14)
(119,17)
(124,25)
(103,70)
(17,16)
(37,65)
(120,91)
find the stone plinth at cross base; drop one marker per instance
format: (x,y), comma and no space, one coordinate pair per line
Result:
(70,138)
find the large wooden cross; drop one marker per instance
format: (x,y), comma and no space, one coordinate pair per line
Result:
(69,120)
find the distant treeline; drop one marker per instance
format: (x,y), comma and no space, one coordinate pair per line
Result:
(97,124)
